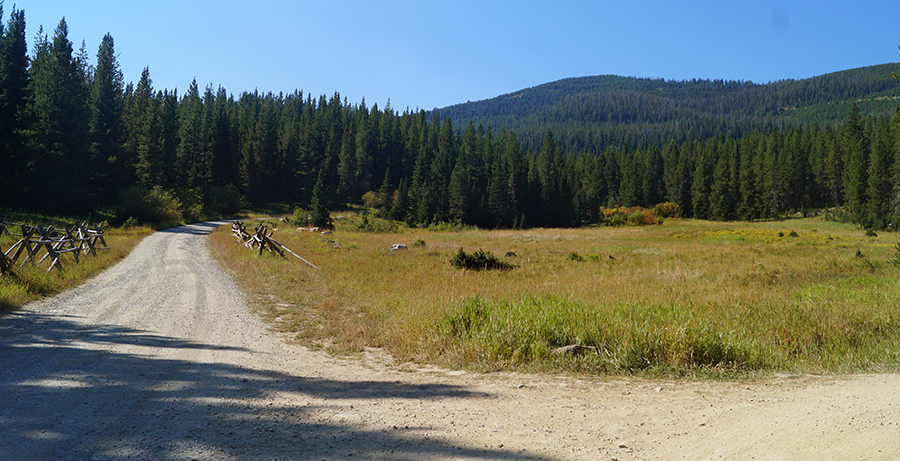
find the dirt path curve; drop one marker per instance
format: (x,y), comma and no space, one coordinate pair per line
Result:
(159,358)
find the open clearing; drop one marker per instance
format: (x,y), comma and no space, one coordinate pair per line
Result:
(688,298)
(159,357)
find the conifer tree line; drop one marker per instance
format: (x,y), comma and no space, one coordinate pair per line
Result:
(74,137)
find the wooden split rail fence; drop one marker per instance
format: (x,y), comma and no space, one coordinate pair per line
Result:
(75,239)
(261,240)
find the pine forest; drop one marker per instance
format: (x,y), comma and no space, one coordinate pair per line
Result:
(75,137)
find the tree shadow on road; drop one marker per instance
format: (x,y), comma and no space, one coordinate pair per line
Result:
(200,228)
(66,394)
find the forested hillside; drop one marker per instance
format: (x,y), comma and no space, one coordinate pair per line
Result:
(75,137)
(592,113)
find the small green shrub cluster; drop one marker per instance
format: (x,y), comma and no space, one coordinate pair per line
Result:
(632,216)
(838,214)
(150,205)
(667,210)
(368,222)
(477,261)
(299,218)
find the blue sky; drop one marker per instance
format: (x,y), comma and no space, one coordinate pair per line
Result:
(421,54)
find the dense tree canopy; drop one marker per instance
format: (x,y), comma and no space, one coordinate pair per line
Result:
(74,136)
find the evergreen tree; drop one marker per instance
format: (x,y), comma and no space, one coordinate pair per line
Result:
(168,137)
(319,205)
(442,166)
(880,187)
(459,194)
(721,198)
(856,149)
(15,81)
(190,134)
(347,191)
(60,132)
(106,122)
(145,133)
(700,186)
(386,194)
(400,207)
(750,196)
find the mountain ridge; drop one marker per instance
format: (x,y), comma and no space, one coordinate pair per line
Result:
(614,107)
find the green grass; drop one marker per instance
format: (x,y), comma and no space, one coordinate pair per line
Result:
(688,298)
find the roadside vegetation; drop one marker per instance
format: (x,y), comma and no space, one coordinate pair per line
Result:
(687,298)
(32,282)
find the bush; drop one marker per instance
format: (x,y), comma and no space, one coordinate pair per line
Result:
(667,210)
(371,199)
(573,256)
(150,206)
(368,222)
(191,204)
(634,216)
(642,217)
(300,218)
(480,260)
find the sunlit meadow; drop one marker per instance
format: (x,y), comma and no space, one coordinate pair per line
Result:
(687,297)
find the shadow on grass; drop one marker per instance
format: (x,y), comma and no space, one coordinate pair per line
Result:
(66,394)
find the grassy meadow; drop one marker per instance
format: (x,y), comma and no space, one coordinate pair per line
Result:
(687,298)
(31,282)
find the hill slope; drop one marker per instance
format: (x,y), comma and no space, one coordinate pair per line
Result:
(590,113)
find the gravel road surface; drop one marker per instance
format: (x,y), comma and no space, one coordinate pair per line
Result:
(159,358)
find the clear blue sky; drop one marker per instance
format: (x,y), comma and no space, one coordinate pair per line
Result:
(422,54)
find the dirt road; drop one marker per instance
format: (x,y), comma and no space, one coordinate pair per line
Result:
(159,358)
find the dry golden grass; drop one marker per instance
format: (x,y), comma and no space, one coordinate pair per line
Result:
(677,298)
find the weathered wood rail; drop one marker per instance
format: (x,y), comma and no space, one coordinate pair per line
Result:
(75,239)
(261,240)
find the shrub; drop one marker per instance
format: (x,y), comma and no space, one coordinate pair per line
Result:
(191,204)
(633,216)
(418,243)
(573,256)
(150,206)
(642,217)
(368,222)
(480,260)
(300,218)
(667,210)
(371,199)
